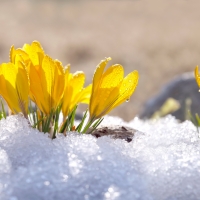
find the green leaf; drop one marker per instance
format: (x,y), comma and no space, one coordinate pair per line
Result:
(79,127)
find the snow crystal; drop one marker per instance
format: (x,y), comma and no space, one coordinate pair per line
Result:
(161,162)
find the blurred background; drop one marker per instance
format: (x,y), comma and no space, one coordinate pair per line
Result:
(159,38)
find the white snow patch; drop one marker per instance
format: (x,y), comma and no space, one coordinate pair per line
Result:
(162,162)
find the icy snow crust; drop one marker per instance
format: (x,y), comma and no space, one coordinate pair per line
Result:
(162,162)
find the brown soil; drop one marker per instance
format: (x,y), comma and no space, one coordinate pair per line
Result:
(158,38)
(115,132)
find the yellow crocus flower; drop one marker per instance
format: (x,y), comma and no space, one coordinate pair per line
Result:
(110,88)
(197,75)
(14,86)
(74,93)
(31,55)
(46,76)
(47,84)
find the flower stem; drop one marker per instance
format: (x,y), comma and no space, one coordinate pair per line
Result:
(89,123)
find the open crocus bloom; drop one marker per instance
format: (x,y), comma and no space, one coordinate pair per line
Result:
(74,93)
(15,86)
(110,88)
(197,75)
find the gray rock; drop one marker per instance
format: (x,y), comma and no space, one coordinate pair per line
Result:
(182,88)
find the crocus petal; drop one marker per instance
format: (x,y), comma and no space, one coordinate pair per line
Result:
(126,89)
(15,86)
(14,52)
(36,90)
(22,87)
(96,81)
(35,52)
(47,79)
(3,88)
(76,84)
(72,92)
(85,94)
(59,83)
(98,74)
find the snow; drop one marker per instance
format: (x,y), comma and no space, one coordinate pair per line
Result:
(162,162)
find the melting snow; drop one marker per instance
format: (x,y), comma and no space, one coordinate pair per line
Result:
(162,162)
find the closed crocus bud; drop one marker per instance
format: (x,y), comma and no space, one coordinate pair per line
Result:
(47,84)
(14,86)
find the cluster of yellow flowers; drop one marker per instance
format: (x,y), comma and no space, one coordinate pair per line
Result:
(33,76)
